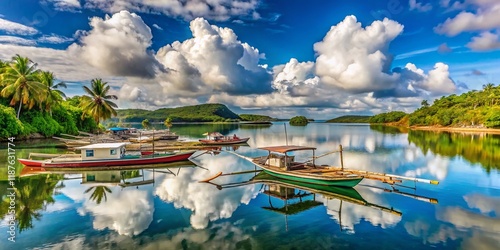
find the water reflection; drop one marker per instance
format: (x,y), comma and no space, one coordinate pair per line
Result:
(345,205)
(207,203)
(32,195)
(475,148)
(169,208)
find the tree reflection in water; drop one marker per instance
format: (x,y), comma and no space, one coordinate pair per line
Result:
(99,193)
(33,194)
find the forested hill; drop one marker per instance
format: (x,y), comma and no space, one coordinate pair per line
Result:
(350,119)
(197,113)
(472,109)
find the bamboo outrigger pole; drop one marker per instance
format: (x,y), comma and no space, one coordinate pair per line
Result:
(341,158)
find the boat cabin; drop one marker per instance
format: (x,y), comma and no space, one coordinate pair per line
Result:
(101,151)
(278,156)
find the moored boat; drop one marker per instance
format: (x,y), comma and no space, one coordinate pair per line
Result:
(279,164)
(217,138)
(106,154)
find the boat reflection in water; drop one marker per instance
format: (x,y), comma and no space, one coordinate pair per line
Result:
(298,197)
(288,197)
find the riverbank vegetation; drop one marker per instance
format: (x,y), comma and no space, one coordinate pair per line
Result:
(32,104)
(474,109)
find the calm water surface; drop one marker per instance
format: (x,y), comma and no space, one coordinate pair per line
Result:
(167,208)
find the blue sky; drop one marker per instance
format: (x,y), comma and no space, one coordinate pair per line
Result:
(319,58)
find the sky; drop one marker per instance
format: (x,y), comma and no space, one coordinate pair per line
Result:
(319,58)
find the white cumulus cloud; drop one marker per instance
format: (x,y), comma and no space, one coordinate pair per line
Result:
(485,17)
(484,42)
(119,45)
(356,59)
(213,60)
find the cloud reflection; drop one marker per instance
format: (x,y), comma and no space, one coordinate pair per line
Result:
(477,231)
(205,201)
(128,212)
(352,214)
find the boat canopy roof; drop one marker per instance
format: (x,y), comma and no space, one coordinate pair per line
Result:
(117,129)
(103,145)
(284,149)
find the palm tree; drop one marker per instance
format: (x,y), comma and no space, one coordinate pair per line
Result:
(99,193)
(424,103)
(97,103)
(54,95)
(488,89)
(21,83)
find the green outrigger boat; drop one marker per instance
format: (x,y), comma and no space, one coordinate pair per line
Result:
(281,165)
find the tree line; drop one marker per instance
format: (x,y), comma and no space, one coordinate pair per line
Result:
(476,108)
(31,101)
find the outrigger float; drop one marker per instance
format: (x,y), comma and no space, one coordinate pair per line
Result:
(280,164)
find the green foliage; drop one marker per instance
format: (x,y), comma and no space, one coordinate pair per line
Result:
(24,86)
(253,118)
(493,120)
(145,123)
(197,113)
(393,116)
(66,120)
(86,125)
(21,83)
(73,101)
(168,122)
(299,121)
(42,123)
(474,108)
(350,119)
(111,125)
(9,124)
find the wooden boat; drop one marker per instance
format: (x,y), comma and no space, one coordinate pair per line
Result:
(217,138)
(104,155)
(168,136)
(279,164)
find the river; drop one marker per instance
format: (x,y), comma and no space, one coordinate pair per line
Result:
(172,210)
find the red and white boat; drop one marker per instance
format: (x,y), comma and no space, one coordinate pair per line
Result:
(217,138)
(104,155)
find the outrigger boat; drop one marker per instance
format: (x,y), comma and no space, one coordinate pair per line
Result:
(217,138)
(105,155)
(279,164)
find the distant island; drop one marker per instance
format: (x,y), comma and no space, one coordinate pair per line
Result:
(212,112)
(196,113)
(350,119)
(299,121)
